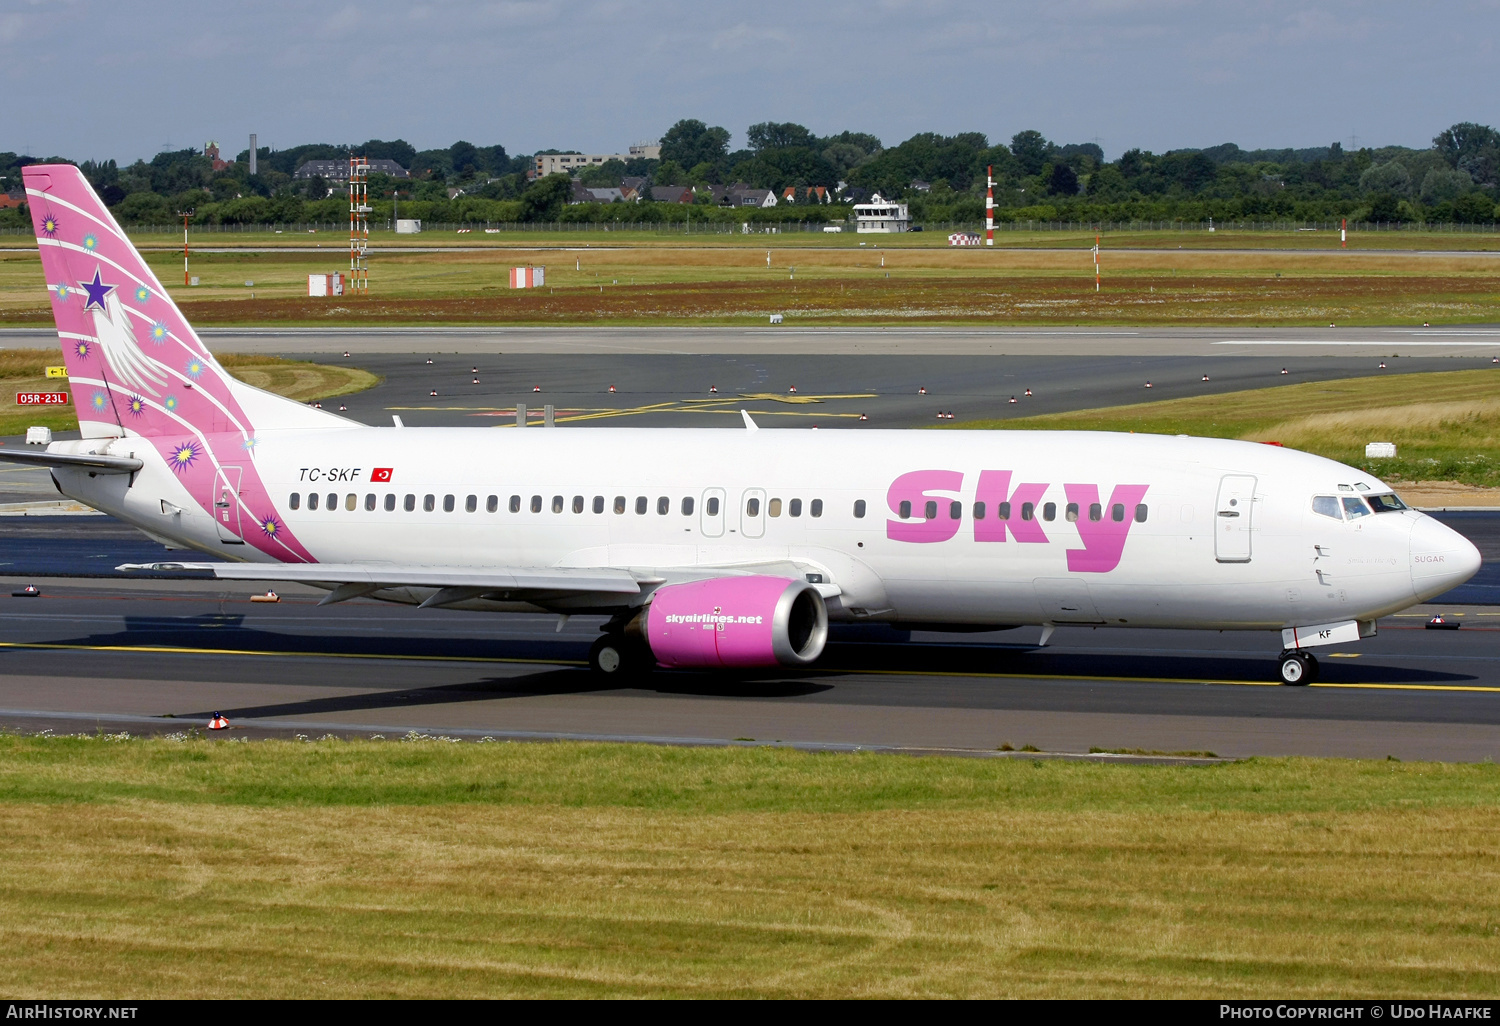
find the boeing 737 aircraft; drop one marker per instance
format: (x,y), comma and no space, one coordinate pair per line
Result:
(707,548)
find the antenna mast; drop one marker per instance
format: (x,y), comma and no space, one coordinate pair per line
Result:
(359,225)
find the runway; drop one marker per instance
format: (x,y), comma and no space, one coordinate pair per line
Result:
(121,654)
(157,657)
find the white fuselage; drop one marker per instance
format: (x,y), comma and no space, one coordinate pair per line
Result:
(1180,557)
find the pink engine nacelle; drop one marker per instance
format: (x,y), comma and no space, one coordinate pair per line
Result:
(737,621)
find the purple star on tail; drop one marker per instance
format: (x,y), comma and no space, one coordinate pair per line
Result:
(97,290)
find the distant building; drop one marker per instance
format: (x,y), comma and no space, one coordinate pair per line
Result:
(211,151)
(571,163)
(338,170)
(744,196)
(671,194)
(11,199)
(586,194)
(804,194)
(633,187)
(881,215)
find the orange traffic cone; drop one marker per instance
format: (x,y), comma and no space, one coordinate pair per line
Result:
(218,722)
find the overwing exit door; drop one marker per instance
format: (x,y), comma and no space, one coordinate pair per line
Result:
(227,505)
(1232,518)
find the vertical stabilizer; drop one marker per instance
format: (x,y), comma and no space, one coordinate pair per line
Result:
(135,365)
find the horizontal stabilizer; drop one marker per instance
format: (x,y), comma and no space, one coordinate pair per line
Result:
(89,461)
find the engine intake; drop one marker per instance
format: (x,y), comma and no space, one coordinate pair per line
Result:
(737,621)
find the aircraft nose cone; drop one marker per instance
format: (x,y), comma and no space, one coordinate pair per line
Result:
(1441,558)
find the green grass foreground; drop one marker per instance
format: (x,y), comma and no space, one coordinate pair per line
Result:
(367,869)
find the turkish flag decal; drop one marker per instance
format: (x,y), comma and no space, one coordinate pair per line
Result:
(380,474)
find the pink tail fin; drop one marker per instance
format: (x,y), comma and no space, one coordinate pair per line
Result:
(135,365)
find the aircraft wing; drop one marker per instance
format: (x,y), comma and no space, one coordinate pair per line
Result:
(454,583)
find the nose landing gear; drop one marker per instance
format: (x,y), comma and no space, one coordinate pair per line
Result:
(1298,669)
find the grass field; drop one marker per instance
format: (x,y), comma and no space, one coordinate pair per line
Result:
(24,370)
(1273,239)
(1446,425)
(882,282)
(427,869)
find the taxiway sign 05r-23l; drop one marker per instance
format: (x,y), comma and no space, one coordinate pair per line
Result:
(707,548)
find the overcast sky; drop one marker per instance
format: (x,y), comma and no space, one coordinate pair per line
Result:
(93,79)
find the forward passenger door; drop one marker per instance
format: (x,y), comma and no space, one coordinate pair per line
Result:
(1233,518)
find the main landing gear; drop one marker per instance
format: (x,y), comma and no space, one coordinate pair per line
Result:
(618,657)
(1297,668)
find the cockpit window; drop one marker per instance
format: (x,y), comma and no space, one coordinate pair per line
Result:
(1328,506)
(1386,503)
(1355,508)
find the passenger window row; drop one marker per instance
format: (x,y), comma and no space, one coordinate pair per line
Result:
(1028,511)
(793,507)
(642,504)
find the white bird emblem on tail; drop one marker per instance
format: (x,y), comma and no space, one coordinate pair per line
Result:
(129,362)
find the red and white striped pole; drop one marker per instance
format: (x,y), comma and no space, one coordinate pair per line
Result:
(1344,233)
(989,206)
(1096,262)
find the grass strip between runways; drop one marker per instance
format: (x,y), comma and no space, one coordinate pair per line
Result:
(367,869)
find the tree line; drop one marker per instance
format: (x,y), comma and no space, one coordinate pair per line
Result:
(943,178)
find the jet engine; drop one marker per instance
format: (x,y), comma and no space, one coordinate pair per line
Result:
(737,621)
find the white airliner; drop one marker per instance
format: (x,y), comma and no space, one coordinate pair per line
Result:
(707,548)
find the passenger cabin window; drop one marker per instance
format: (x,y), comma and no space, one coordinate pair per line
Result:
(492,504)
(578,504)
(1049,511)
(312,500)
(619,504)
(333,502)
(1071,513)
(859,509)
(557,503)
(752,507)
(955,511)
(598,504)
(536,504)
(1354,507)
(1096,512)
(904,509)
(1327,506)
(409,503)
(515,504)
(1117,513)
(663,505)
(794,508)
(641,503)
(978,511)
(1003,511)
(471,504)
(370,502)
(447,504)
(429,503)
(351,502)
(1140,513)
(929,511)
(687,506)
(1028,511)
(1385,503)
(712,505)
(390,502)
(815,507)
(295,501)
(774,507)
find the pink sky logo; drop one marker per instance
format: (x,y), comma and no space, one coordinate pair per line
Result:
(927,508)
